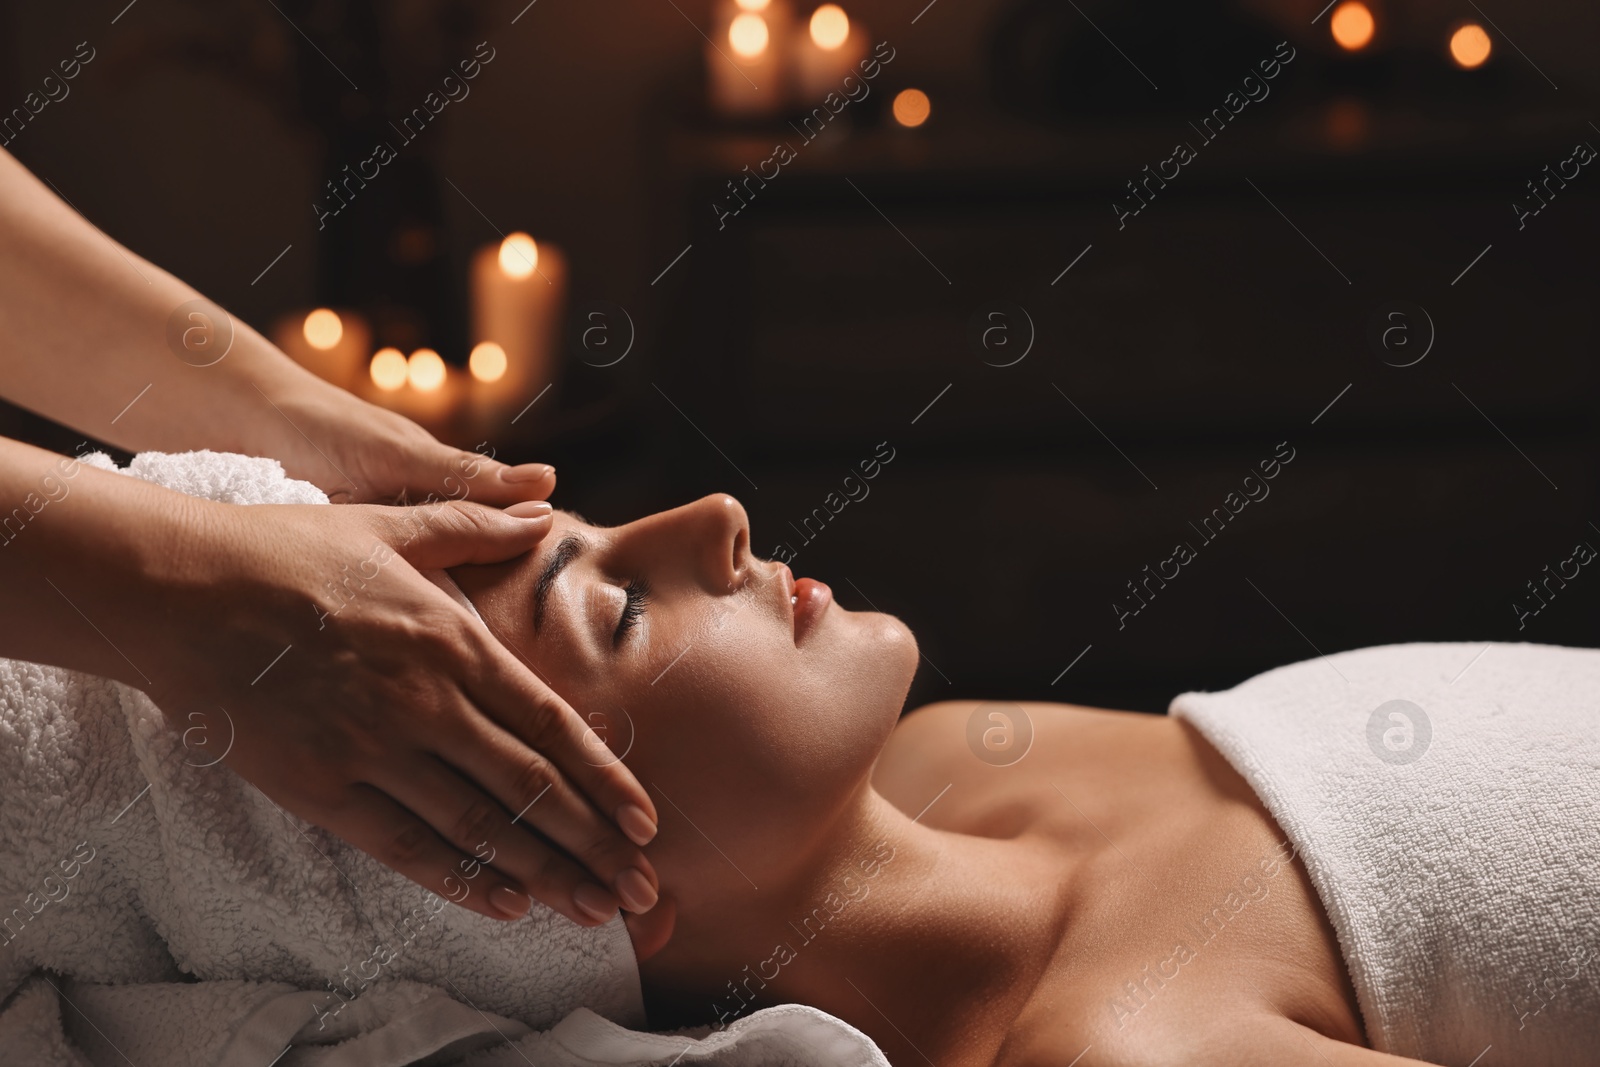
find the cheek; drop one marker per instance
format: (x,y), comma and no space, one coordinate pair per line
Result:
(743,722)
(800,720)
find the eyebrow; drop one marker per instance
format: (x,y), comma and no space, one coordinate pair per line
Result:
(569,549)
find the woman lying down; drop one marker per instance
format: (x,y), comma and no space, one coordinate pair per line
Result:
(1383,856)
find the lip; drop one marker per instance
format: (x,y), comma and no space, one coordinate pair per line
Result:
(810,600)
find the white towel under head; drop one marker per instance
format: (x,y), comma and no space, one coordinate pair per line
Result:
(202,924)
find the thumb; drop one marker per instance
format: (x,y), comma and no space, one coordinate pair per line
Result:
(438,536)
(488,481)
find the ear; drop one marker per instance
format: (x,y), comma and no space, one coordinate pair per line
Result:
(651,931)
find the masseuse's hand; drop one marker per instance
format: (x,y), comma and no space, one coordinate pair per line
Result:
(366,454)
(392,717)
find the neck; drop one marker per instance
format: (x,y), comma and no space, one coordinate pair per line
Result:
(903,931)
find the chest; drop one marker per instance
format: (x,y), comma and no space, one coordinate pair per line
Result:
(1188,905)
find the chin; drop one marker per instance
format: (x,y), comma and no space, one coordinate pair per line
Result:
(891,654)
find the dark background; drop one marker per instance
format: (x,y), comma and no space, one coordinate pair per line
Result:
(837,310)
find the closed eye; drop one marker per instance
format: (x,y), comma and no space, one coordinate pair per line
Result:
(636,596)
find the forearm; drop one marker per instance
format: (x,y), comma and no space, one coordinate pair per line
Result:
(84,340)
(83,556)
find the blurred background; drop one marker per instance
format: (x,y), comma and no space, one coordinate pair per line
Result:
(1061,276)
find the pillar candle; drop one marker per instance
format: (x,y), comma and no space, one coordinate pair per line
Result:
(432,392)
(519,292)
(334,345)
(746,57)
(831,48)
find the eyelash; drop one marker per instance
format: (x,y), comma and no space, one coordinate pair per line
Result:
(637,594)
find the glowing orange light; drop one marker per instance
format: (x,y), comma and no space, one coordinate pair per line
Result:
(755,5)
(425,370)
(747,35)
(1470,46)
(388,369)
(487,362)
(322,329)
(830,27)
(519,256)
(1352,25)
(911,108)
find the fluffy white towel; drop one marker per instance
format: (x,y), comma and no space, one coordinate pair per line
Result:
(127,864)
(1445,799)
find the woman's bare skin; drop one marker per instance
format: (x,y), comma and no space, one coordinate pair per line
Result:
(818,848)
(1158,830)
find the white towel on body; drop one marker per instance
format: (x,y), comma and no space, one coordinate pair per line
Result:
(160,910)
(1445,799)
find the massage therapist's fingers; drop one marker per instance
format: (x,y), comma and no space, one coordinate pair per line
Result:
(503,688)
(439,536)
(477,824)
(391,458)
(544,799)
(327,703)
(531,713)
(376,824)
(561,815)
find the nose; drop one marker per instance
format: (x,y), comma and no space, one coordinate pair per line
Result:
(713,532)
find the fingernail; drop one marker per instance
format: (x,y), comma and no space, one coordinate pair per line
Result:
(639,827)
(526,472)
(530,509)
(636,891)
(595,902)
(509,902)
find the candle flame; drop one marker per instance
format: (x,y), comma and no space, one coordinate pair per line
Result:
(388,369)
(425,370)
(519,256)
(1352,25)
(487,362)
(747,35)
(830,27)
(911,108)
(1470,46)
(323,329)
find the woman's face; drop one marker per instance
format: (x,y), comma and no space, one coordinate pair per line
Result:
(752,706)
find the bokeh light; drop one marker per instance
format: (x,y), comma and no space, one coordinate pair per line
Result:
(487,362)
(425,370)
(830,27)
(747,35)
(1470,46)
(911,107)
(388,369)
(1352,25)
(519,256)
(323,329)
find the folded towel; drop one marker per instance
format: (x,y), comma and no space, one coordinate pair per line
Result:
(1445,799)
(158,908)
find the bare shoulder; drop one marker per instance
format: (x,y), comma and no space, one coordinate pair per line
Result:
(952,719)
(963,742)
(1258,1037)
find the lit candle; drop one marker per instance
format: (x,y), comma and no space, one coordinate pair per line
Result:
(826,54)
(388,369)
(331,344)
(1470,46)
(745,57)
(519,291)
(486,396)
(1352,25)
(911,108)
(422,387)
